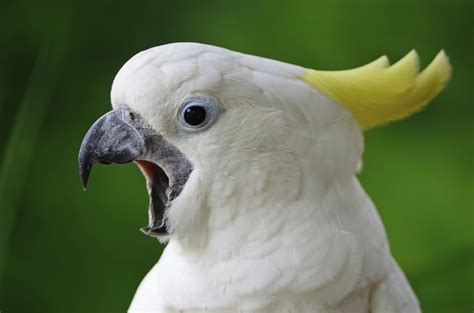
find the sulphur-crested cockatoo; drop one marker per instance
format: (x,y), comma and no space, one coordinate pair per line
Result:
(251,168)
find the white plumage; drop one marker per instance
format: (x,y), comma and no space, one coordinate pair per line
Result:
(272,218)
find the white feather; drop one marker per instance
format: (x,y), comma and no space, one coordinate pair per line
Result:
(272,218)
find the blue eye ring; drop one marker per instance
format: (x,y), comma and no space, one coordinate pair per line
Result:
(198,113)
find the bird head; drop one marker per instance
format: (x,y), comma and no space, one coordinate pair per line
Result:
(216,132)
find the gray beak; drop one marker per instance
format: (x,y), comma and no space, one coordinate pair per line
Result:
(111,139)
(122,136)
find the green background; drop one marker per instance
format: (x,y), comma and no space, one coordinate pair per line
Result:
(63,250)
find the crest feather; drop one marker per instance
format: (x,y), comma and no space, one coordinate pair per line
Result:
(377,93)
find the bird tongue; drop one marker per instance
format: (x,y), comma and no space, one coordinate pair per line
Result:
(157,186)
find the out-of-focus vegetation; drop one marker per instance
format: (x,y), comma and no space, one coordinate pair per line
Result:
(63,250)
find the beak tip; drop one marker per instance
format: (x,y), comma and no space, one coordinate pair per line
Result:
(146,230)
(83,185)
(84,172)
(153,231)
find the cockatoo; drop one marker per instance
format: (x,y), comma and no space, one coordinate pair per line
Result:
(251,167)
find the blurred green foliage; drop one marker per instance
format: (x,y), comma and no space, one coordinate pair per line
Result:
(63,250)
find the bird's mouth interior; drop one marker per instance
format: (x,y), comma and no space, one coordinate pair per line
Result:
(158,187)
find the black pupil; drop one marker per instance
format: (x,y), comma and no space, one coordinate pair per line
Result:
(195,115)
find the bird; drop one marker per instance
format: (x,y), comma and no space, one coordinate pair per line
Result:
(251,169)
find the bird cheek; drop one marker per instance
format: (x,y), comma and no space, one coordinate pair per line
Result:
(188,213)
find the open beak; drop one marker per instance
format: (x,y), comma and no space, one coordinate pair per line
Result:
(122,136)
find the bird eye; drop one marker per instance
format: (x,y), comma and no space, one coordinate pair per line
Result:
(198,113)
(195,115)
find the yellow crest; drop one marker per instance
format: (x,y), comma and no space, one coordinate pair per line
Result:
(378,93)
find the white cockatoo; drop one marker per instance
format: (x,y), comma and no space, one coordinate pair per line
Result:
(251,166)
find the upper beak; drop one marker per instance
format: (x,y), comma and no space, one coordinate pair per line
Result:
(111,139)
